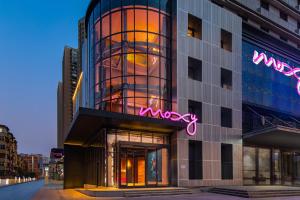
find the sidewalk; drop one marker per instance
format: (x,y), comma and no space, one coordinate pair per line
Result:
(53,190)
(59,194)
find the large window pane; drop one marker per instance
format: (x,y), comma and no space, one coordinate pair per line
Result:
(249,165)
(116,22)
(129,19)
(105,26)
(153,21)
(97,31)
(264,166)
(164,24)
(140,20)
(116,66)
(153,65)
(140,64)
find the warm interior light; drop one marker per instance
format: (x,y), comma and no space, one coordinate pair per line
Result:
(77,87)
(140,59)
(128,163)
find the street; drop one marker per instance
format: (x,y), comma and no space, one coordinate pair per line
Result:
(23,191)
(37,191)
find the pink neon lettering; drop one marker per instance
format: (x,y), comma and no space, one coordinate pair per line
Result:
(278,66)
(191,119)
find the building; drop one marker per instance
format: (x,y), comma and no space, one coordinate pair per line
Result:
(81,39)
(8,153)
(186,93)
(65,92)
(60,135)
(33,164)
(56,170)
(22,168)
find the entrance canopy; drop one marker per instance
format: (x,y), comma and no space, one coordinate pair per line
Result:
(274,136)
(88,122)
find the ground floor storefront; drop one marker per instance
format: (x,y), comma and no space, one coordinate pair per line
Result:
(271,166)
(122,151)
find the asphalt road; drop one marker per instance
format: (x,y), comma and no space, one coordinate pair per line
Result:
(23,191)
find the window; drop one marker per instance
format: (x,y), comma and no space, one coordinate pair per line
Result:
(244,18)
(226,117)
(195,159)
(196,108)
(194,27)
(226,161)
(264,29)
(226,79)
(283,38)
(195,69)
(226,40)
(283,16)
(264,5)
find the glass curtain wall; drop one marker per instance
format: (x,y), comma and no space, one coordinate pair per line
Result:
(267,166)
(129,55)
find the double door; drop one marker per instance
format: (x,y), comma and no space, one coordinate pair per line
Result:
(290,168)
(143,166)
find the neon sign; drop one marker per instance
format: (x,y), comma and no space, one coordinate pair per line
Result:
(278,66)
(191,119)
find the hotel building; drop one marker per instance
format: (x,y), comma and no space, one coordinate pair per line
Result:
(8,153)
(186,93)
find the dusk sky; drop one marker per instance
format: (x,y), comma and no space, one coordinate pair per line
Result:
(33,34)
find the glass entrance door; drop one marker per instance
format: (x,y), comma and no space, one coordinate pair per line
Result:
(287,168)
(296,168)
(132,170)
(140,167)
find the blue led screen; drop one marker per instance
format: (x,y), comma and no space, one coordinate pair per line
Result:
(267,87)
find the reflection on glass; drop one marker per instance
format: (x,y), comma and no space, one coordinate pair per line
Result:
(130,41)
(297,168)
(287,167)
(277,166)
(249,165)
(264,166)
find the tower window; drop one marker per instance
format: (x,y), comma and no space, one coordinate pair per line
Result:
(194,27)
(226,40)
(195,69)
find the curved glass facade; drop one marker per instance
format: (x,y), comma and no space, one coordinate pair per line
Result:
(267,87)
(129,55)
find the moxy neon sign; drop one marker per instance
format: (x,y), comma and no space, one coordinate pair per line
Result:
(278,66)
(190,119)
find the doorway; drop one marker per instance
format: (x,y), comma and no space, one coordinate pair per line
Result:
(132,167)
(143,166)
(287,168)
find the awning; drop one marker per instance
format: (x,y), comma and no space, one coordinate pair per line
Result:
(274,136)
(88,122)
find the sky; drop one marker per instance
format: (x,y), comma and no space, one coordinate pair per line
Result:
(33,34)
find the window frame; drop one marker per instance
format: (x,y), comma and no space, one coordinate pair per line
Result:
(226,121)
(194,28)
(197,162)
(224,74)
(226,40)
(226,160)
(195,65)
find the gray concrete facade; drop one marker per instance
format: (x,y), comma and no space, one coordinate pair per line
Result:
(209,90)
